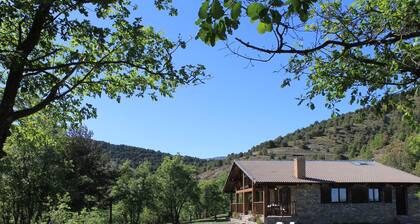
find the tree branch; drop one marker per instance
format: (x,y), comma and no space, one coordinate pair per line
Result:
(392,39)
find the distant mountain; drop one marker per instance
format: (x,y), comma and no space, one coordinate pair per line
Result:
(357,135)
(137,155)
(217,158)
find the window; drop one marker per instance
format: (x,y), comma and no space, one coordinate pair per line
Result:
(374,195)
(259,196)
(238,198)
(338,195)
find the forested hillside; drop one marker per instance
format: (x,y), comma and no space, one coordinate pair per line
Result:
(362,134)
(138,155)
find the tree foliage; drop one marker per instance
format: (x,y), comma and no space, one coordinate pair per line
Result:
(134,191)
(212,198)
(177,185)
(361,51)
(93,173)
(34,171)
(56,53)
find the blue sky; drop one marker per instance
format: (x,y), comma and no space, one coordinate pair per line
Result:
(239,107)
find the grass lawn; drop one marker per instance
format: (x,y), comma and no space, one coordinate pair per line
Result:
(221,219)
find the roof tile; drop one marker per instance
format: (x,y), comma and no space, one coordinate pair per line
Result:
(326,171)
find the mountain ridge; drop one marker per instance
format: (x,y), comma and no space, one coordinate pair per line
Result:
(361,134)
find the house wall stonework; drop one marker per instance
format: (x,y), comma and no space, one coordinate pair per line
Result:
(413,203)
(310,210)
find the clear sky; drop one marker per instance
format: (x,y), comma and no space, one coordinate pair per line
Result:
(239,107)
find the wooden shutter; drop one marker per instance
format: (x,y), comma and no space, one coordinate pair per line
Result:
(325,194)
(387,192)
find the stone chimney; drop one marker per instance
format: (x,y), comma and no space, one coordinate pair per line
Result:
(299,168)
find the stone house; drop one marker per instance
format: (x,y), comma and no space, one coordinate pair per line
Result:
(322,192)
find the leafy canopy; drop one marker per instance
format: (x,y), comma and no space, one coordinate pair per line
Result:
(57,53)
(360,52)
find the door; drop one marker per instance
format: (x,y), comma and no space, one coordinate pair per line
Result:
(284,199)
(401,200)
(249,203)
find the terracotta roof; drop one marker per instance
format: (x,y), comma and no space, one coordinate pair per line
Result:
(325,171)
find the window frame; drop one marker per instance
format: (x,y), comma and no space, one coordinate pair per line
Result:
(373,189)
(259,194)
(339,191)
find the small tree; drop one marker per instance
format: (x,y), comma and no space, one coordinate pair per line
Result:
(93,173)
(177,185)
(211,198)
(133,192)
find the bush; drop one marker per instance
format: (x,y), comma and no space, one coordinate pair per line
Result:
(62,214)
(235,215)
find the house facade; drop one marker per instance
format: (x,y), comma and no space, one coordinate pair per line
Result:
(322,192)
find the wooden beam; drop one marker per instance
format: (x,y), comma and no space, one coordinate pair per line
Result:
(243,196)
(244,190)
(253,199)
(265,200)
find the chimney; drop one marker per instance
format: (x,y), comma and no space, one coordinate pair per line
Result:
(299,168)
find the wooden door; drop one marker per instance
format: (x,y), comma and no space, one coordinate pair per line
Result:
(284,199)
(401,200)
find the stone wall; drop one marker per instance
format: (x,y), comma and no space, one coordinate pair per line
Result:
(310,210)
(413,202)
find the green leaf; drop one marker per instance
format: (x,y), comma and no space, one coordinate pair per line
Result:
(303,16)
(236,10)
(228,3)
(217,10)
(254,9)
(202,13)
(312,106)
(276,3)
(264,27)
(275,16)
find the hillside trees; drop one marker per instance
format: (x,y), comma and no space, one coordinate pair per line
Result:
(55,53)
(361,51)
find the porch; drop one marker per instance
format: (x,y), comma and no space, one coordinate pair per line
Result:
(263,199)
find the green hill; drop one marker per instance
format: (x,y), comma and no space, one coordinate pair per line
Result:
(362,134)
(357,135)
(137,155)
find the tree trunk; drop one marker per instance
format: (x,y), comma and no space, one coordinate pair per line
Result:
(176,219)
(110,212)
(16,70)
(4,133)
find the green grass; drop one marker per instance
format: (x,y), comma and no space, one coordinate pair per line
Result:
(221,219)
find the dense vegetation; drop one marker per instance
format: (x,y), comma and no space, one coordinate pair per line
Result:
(55,175)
